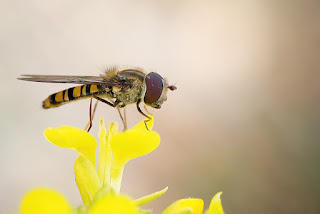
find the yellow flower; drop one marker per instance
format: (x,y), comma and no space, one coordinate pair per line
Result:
(100,188)
(189,205)
(195,206)
(43,200)
(100,191)
(113,204)
(215,205)
(47,201)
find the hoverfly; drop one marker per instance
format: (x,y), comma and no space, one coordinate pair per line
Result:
(116,87)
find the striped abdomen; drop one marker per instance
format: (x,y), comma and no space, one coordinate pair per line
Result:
(61,97)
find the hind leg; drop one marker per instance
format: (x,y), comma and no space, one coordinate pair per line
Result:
(91,115)
(117,104)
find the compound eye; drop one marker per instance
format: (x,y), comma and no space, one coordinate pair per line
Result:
(154,87)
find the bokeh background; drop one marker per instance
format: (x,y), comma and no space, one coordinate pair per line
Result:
(245,118)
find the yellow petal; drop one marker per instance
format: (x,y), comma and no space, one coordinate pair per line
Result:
(113,204)
(193,205)
(148,198)
(142,124)
(73,138)
(129,145)
(184,210)
(43,200)
(141,211)
(134,143)
(215,205)
(116,174)
(86,178)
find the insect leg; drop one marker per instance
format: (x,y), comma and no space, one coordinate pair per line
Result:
(124,121)
(125,115)
(91,115)
(145,108)
(115,104)
(141,112)
(105,101)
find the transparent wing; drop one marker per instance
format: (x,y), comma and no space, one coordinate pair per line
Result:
(67,79)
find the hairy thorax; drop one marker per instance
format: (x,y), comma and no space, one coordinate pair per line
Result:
(129,94)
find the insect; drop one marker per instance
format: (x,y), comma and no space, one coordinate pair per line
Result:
(116,87)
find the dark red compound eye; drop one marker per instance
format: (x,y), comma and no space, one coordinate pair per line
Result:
(154,88)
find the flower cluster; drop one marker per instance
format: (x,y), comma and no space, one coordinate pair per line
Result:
(100,189)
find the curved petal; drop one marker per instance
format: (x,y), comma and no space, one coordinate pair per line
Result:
(195,205)
(215,205)
(113,204)
(134,143)
(128,145)
(148,198)
(86,178)
(43,200)
(73,138)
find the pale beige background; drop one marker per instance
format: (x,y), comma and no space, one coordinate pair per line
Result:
(245,118)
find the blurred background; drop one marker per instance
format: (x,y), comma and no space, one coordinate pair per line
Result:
(245,118)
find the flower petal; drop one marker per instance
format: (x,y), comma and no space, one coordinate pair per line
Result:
(141,211)
(184,210)
(113,204)
(195,205)
(128,145)
(73,138)
(86,178)
(148,198)
(116,174)
(43,200)
(142,124)
(134,143)
(215,205)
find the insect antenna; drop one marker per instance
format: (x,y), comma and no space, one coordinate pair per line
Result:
(172,87)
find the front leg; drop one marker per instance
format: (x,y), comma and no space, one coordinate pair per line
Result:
(106,101)
(141,112)
(123,118)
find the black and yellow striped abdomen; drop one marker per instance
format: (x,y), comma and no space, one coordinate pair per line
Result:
(65,96)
